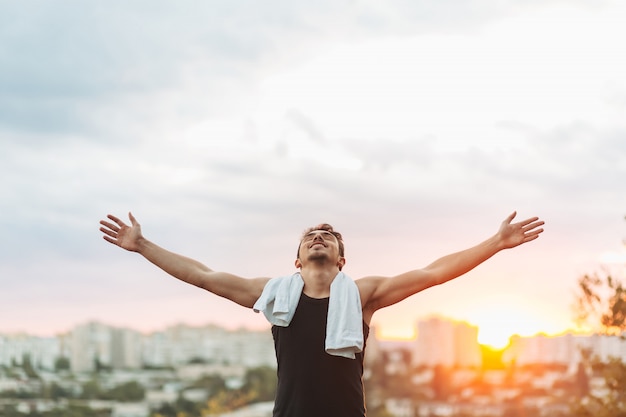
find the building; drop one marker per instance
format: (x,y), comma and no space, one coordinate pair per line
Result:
(180,344)
(89,344)
(563,349)
(42,352)
(445,342)
(126,349)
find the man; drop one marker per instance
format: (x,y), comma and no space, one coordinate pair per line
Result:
(313,380)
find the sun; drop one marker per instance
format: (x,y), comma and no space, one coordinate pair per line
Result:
(493,335)
(497,323)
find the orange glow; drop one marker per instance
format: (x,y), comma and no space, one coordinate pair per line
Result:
(497,323)
(497,319)
(390,332)
(493,336)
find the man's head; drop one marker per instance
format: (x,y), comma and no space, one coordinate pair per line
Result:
(321,233)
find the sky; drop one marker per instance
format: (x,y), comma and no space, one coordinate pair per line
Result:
(228,127)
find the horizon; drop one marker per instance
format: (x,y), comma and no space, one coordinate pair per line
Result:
(145,332)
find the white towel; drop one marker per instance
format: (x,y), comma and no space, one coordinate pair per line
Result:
(344,326)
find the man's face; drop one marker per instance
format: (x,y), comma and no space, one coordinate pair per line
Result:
(319,245)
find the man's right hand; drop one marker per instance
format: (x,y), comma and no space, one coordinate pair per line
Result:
(122,235)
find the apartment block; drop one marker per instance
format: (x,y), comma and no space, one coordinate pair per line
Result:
(445,342)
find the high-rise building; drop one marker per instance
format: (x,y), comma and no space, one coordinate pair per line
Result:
(126,349)
(445,342)
(90,343)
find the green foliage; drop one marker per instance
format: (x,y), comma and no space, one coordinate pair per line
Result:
(128,392)
(260,384)
(225,401)
(18,394)
(54,391)
(28,368)
(212,383)
(62,364)
(100,366)
(74,410)
(10,411)
(91,390)
(181,408)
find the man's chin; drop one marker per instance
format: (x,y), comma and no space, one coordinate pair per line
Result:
(318,257)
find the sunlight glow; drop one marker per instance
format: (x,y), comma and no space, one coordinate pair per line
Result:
(497,323)
(613,257)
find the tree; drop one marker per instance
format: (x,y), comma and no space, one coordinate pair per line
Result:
(127,392)
(62,364)
(91,390)
(601,302)
(55,391)
(260,383)
(28,367)
(212,383)
(602,299)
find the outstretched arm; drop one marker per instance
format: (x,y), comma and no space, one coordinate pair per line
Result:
(379,292)
(240,290)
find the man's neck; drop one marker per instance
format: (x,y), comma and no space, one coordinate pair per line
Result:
(317,280)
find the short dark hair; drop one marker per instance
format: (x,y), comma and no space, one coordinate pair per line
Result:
(328,228)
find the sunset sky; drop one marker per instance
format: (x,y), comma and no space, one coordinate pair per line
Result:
(228,127)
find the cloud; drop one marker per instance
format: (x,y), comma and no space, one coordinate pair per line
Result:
(68,65)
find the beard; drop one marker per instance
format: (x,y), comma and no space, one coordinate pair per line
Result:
(318,257)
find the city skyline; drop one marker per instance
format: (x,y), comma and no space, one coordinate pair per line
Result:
(494,341)
(440,341)
(414,129)
(445,365)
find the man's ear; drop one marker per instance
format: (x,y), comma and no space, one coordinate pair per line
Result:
(298,263)
(341,262)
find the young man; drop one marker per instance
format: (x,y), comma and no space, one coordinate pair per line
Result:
(320,316)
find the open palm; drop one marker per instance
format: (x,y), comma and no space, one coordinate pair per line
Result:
(514,234)
(121,234)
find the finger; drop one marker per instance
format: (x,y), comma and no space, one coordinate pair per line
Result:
(534,234)
(510,217)
(110,240)
(133,221)
(528,221)
(532,225)
(109,225)
(108,232)
(116,220)
(530,238)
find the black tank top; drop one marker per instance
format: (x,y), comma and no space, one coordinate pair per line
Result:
(312,383)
